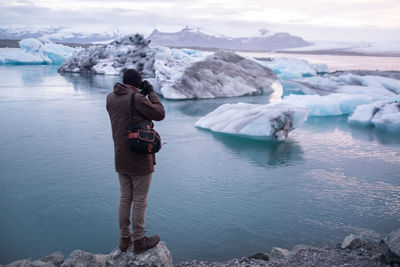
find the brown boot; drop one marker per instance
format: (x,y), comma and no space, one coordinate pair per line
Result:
(124,243)
(141,245)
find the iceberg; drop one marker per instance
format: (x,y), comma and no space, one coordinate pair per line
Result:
(113,58)
(328,105)
(377,87)
(292,68)
(176,73)
(381,114)
(34,51)
(223,74)
(264,122)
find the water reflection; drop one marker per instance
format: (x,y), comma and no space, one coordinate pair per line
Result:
(201,107)
(261,153)
(362,133)
(374,134)
(90,82)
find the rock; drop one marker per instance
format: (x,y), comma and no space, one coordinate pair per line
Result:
(352,241)
(45,262)
(392,247)
(19,263)
(79,258)
(279,253)
(56,258)
(260,256)
(157,256)
(39,263)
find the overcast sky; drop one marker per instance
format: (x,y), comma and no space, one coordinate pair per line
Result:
(340,20)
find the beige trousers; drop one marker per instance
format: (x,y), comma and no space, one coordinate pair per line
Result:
(133,189)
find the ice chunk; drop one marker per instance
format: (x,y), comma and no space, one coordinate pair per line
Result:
(34,51)
(224,74)
(381,114)
(329,105)
(376,93)
(268,122)
(376,87)
(113,58)
(292,68)
(176,73)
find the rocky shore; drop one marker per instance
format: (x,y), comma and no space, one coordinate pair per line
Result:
(353,251)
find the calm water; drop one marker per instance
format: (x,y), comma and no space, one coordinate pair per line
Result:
(212,197)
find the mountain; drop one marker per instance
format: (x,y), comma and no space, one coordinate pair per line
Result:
(197,37)
(59,34)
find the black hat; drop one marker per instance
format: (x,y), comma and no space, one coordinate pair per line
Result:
(132,77)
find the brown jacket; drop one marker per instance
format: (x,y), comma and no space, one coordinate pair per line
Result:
(118,107)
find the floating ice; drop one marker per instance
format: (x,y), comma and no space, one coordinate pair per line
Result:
(224,74)
(113,58)
(329,105)
(376,93)
(176,73)
(381,114)
(268,122)
(34,51)
(292,68)
(377,87)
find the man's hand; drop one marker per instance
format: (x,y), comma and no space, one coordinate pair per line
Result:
(146,87)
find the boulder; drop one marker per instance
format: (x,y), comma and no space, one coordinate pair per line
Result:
(352,241)
(20,263)
(80,258)
(279,253)
(260,256)
(53,260)
(56,258)
(157,256)
(392,247)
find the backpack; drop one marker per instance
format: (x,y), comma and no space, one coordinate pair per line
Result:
(143,139)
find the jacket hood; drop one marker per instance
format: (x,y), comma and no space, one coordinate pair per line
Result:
(123,89)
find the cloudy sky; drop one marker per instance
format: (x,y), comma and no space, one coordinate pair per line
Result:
(339,20)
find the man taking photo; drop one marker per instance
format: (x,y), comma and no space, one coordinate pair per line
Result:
(134,169)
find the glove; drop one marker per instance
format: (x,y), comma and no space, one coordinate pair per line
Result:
(146,87)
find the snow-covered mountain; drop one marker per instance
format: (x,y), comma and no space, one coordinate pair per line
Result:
(197,37)
(59,34)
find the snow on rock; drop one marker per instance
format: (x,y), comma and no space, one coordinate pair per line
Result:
(381,114)
(292,68)
(34,51)
(329,105)
(268,122)
(377,87)
(223,74)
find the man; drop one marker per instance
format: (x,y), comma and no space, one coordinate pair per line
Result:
(134,170)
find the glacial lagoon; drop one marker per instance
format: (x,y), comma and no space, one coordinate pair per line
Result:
(213,196)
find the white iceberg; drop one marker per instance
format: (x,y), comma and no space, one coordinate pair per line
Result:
(34,51)
(292,68)
(381,114)
(376,93)
(176,73)
(113,58)
(377,87)
(328,105)
(223,74)
(265,122)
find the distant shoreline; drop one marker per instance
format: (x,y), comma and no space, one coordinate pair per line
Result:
(9,43)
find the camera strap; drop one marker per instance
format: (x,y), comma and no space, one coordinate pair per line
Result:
(133,126)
